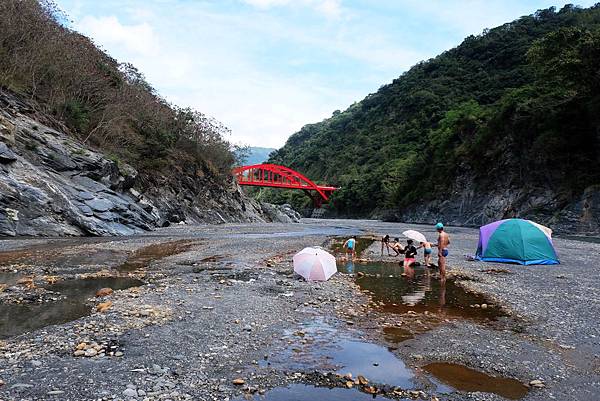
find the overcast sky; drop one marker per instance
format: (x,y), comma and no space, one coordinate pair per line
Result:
(267,67)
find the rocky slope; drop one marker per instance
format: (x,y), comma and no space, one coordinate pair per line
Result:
(468,204)
(52,184)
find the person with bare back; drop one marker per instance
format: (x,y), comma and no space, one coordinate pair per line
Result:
(442,245)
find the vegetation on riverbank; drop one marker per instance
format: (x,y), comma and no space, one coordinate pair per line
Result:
(520,100)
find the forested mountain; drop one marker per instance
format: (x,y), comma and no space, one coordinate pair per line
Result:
(505,124)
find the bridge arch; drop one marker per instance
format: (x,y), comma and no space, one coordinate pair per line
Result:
(276,176)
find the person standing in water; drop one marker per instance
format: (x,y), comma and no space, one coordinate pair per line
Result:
(350,246)
(410,253)
(442,245)
(427,251)
(385,242)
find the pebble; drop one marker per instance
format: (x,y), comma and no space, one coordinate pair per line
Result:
(129,392)
(90,352)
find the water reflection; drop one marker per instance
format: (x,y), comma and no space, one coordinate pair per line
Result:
(462,378)
(17,319)
(319,346)
(349,268)
(398,290)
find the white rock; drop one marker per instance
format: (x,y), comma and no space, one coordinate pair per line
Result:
(129,392)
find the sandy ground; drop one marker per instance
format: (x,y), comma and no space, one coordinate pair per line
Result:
(228,304)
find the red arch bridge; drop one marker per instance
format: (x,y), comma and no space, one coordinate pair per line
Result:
(275,176)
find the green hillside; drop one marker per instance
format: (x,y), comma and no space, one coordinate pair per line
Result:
(518,105)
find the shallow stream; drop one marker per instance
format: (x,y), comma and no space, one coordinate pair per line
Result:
(72,295)
(317,345)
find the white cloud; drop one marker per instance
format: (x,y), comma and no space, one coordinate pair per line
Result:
(212,65)
(108,31)
(328,8)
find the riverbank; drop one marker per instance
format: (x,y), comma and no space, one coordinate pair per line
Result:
(220,306)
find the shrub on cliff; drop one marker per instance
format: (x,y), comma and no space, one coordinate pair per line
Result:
(105,103)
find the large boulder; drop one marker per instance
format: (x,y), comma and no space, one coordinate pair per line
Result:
(280,213)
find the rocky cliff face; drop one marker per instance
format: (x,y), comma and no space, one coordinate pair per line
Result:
(52,184)
(472,203)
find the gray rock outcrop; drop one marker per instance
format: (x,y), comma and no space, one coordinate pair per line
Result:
(471,203)
(52,184)
(280,213)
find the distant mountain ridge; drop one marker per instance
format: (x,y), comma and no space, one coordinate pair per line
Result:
(256,155)
(506,124)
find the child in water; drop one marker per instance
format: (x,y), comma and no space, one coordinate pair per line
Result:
(350,246)
(427,251)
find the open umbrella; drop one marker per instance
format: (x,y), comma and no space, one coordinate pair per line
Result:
(414,235)
(314,264)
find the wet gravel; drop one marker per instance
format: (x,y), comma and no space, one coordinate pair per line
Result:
(220,311)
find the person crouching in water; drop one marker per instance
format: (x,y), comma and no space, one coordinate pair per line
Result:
(427,251)
(410,253)
(350,246)
(397,247)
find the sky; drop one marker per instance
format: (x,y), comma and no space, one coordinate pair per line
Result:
(265,68)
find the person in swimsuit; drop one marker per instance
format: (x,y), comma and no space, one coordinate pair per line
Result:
(427,251)
(442,245)
(385,242)
(410,253)
(350,246)
(397,247)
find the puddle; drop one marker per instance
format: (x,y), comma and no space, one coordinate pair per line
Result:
(373,361)
(461,378)
(17,319)
(303,392)
(419,291)
(397,334)
(141,258)
(319,346)
(9,279)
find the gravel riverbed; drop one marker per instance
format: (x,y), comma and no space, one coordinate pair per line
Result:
(219,307)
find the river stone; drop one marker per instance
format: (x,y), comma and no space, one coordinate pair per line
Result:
(99,204)
(6,155)
(129,392)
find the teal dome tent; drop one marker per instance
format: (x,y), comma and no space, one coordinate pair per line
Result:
(516,241)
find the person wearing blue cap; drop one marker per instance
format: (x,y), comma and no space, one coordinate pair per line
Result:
(442,245)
